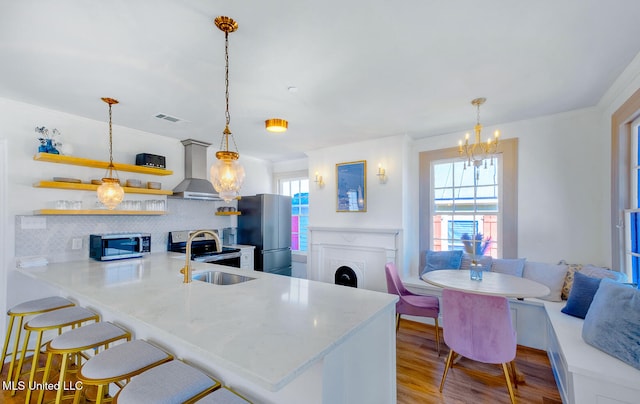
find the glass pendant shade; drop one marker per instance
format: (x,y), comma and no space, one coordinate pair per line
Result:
(227,176)
(110,193)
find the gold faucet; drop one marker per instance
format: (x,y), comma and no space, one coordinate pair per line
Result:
(186,270)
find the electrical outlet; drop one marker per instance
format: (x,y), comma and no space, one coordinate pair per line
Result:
(76,243)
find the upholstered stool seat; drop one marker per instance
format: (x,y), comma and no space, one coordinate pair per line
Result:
(52,320)
(76,341)
(171,382)
(223,396)
(118,363)
(29,308)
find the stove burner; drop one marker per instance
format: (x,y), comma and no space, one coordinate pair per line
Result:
(203,248)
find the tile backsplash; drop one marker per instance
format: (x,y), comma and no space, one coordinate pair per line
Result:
(55,240)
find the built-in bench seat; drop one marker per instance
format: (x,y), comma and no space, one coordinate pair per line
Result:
(583,373)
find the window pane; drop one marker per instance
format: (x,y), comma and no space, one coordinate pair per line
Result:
(636,143)
(442,175)
(304,223)
(298,190)
(635,226)
(462,197)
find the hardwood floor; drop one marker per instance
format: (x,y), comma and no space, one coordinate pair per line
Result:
(419,370)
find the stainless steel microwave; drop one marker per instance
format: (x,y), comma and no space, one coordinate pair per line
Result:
(115,246)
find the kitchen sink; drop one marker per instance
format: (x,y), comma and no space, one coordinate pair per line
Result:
(220,278)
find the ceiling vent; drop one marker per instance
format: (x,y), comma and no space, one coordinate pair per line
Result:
(169,118)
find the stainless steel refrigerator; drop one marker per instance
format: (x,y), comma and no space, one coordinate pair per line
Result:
(265,222)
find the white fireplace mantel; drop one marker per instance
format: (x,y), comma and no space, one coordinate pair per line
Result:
(365,250)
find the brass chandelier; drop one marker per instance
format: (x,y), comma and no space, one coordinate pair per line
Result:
(227,174)
(479,152)
(110,193)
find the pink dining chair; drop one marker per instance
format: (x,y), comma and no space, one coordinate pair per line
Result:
(410,303)
(479,327)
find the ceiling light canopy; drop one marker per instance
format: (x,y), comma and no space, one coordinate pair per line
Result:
(110,193)
(276,125)
(227,174)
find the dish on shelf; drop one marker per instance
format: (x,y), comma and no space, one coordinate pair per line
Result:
(154,185)
(133,183)
(64,179)
(96,182)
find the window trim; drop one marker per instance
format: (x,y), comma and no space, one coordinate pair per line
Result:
(288,175)
(509,150)
(621,128)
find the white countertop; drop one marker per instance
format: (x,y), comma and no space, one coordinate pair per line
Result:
(268,330)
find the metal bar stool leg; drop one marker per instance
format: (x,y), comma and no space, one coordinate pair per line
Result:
(15,346)
(31,307)
(75,343)
(53,320)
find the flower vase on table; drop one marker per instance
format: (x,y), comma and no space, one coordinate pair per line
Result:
(475,271)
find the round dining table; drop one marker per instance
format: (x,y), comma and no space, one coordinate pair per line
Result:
(492,283)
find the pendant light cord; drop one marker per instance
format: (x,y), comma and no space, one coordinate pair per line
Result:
(226,77)
(224,142)
(110,140)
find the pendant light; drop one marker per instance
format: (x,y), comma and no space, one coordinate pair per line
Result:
(227,174)
(110,193)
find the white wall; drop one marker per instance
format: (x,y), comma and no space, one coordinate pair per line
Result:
(384,201)
(259,176)
(560,191)
(89,139)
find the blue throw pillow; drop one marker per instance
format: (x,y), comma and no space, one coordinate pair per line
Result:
(442,260)
(581,295)
(612,323)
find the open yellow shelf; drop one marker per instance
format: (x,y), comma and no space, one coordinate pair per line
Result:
(92,187)
(80,161)
(98,212)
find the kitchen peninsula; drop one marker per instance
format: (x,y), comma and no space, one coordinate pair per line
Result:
(277,339)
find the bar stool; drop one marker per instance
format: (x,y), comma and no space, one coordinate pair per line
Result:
(223,395)
(53,320)
(29,308)
(118,363)
(75,342)
(171,382)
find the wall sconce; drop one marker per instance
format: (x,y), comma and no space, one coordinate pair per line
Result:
(382,174)
(318,180)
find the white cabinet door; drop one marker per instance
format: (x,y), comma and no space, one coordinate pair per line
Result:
(246,260)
